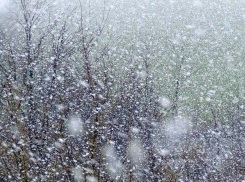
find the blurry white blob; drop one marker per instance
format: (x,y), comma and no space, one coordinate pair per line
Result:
(60,107)
(47,78)
(60,78)
(200,32)
(75,125)
(197,3)
(123,135)
(141,74)
(229,58)
(190,26)
(227,24)
(114,166)
(164,152)
(211,93)
(15,131)
(4,144)
(84,83)
(58,145)
(172,2)
(235,100)
(178,127)
(78,176)
(91,179)
(3,4)
(135,130)
(136,151)
(208,99)
(164,101)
